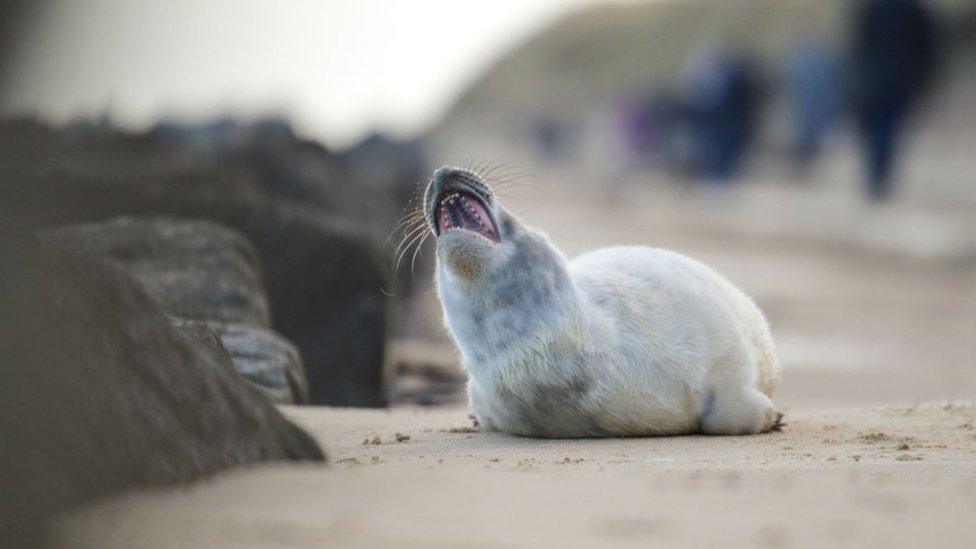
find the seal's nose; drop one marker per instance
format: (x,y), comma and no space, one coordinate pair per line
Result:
(438,183)
(444,174)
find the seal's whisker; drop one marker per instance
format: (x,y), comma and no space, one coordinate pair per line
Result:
(403,253)
(503,168)
(492,168)
(498,170)
(509,185)
(408,218)
(416,251)
(478,166)
(414,212)
(415,223)
(513,174)
(414,202)
(507,197)
(408,237)
(514,177)
(409,231)
(406,223)
(488,169)
(396,232)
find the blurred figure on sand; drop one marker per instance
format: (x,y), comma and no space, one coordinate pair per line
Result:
(813,89)
(894,56)
(723,93)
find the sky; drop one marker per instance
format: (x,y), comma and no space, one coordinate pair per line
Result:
(337,68)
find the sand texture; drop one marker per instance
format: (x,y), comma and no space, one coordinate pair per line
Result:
(411,477)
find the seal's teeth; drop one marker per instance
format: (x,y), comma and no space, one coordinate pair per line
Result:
(464,210)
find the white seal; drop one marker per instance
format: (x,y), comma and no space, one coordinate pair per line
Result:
(622,341)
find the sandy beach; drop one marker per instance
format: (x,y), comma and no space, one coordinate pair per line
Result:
(411,477)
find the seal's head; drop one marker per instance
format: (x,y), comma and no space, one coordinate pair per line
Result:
(486,257)
(473,231)
(503,286)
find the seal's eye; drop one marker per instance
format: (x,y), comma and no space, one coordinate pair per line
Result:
(458,209)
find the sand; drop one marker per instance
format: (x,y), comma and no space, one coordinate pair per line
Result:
(887,476)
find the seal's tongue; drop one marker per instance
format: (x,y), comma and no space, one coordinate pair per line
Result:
(461,210)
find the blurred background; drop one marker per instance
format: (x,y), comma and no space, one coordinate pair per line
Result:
(820,153)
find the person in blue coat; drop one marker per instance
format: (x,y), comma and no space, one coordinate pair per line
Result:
(894,58)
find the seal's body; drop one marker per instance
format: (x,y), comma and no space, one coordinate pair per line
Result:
(622,341)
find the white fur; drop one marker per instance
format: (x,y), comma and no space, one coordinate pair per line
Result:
(673,330)
(622,341)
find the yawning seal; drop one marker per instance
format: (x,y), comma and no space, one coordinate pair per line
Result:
(622,341)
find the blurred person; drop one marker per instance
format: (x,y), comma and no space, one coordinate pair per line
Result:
(894,56)
(813,88)
(550,136)
(641,124)
(635,126)
(655,130)
(722,94)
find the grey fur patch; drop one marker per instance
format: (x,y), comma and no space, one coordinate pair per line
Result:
(707,402)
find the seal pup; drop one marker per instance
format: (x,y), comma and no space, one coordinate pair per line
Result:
(621,341)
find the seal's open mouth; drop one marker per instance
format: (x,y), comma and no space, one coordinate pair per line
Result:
(459,209)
